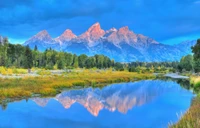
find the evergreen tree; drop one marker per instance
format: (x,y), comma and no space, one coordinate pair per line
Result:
(61,60)
(28,62)
(81,60)
(196,51)
(75,61)
(68,59)
(90,62)
(35,48)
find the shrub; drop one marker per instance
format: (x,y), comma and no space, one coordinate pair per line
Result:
(79,83)
(44,72)
(3,70)
(20,71)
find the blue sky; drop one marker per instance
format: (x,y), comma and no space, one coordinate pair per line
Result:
(167,21)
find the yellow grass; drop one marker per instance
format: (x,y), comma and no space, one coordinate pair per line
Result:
(43,72)
(53,84)
(195,82)
(11,71)
(192,118)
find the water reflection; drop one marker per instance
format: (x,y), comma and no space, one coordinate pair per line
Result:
(118,97)
(142,104)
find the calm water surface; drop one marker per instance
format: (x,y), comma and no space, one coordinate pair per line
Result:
(143,104)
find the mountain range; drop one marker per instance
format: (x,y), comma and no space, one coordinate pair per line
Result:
(121,45)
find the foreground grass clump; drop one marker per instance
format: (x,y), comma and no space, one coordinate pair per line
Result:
(52,84)
(195,82)
(11,71)
(43,72)
(192,118)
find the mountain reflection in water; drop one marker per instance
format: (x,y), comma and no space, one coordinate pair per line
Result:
(118,97)
(142,104)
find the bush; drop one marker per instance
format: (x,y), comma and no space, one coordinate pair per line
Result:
(19,71)
(43,72)
(3,70)
(79,83)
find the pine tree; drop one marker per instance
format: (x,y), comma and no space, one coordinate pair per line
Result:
(28,62)
(35,48)
(196,51)
(75,61)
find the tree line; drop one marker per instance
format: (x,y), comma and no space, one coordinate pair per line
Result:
(19,56)
(191,63)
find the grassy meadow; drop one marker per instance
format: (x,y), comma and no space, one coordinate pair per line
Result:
(47,84)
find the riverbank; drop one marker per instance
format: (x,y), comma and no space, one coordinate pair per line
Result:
(192,117)
(176,76)
(50,85)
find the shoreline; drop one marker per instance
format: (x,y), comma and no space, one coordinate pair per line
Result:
(49,85)
(176,76)
(191,119)
(29,86)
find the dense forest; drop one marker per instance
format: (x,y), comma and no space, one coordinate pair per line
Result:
(23,57)
(19,56)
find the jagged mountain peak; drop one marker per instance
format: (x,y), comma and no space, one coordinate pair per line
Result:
(95,26)
(125,28)
(110,31)
(43,40)
(121,45)
(66,36)
(95,30)
(125,31)
(92,35)
(68,31)
(43,32)
(42,35)
(123,35)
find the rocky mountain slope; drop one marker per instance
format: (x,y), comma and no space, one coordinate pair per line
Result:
(122,45)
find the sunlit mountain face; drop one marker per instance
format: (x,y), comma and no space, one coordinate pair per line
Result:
(118,97)
(119,44)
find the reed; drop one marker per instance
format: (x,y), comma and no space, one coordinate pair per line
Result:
(192,117)
(195,82)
